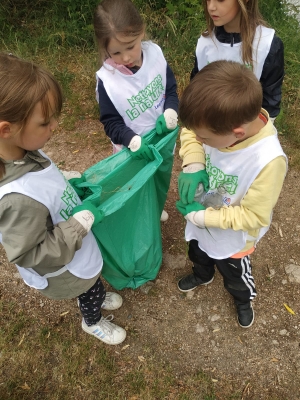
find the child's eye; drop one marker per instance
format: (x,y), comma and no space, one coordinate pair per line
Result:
(46,123)
(130,48)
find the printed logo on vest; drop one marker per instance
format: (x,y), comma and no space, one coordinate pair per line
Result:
(70,198)
(145,98)
(217,178)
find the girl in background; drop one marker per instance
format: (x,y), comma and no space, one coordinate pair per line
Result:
(136,88)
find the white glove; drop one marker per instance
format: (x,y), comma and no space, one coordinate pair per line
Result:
(135,143)
(196,218)
(193,167)
(85,218)
(71,174)
(171,118)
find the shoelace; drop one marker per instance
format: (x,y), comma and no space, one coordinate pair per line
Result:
(105,324)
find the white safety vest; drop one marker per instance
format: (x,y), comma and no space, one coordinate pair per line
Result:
(49,187)
(209,49)
(235,172)
(138,98)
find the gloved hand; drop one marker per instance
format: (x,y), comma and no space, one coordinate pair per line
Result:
(185,209)
(140,148)
(166,122)
(71,174)
(87,215)
(188,183)
(193,212)
(74,178)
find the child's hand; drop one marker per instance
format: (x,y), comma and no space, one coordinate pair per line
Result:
(188,183)
(192,212)
(140,149)
(166,122)
(74,178)
(87,215)
(71,174)
(185,209)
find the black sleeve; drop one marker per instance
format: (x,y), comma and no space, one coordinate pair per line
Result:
(272,77)
(113,123)
(195,70)
(171,93)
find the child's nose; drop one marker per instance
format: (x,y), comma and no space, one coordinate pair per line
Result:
(126,58)
(53,124)
(211,5)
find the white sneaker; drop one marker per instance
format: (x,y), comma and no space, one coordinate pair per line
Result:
(112,301)
(164,216)
(106,331)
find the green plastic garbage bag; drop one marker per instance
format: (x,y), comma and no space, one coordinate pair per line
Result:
(132,194)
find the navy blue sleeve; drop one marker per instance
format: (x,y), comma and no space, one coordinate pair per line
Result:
(195,70)
(272,77)
(171,93)
(113,123)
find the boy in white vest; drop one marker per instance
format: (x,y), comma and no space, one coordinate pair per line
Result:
(44,228)
(238,146)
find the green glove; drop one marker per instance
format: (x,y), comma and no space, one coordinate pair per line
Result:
(143,152)
(188,183)
(185,209)
(161,126)
(88,206)
(74,182)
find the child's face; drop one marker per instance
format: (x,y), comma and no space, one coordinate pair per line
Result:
(225,12)
(37,130)
(126,50)
(206,136)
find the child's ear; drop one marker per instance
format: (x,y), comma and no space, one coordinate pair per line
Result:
(239,132)
(5,129)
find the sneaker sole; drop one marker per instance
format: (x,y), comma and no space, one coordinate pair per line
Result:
(201,284)
(248,326)
(103,339)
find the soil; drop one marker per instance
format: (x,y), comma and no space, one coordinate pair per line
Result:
(197,331)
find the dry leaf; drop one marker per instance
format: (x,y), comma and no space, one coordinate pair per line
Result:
(76,151)
(280,232)
(21,340)
(125,347)
(64,313)
(214,380)
(274,360)
(289,309)
(216,330)
(25,386)
(141,358)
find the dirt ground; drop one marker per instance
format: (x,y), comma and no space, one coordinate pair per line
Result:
(198,330)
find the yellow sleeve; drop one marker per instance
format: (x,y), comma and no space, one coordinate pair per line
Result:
(191,150)
(256,207)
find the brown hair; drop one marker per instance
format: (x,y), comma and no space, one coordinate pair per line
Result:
(250,19)
(223,96)
(116,17)
(22,85)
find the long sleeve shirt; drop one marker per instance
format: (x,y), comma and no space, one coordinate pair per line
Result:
(112,121)
(272,74)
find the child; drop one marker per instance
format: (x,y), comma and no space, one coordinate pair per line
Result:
(136,88)
(243,157)
(237,32)
(44,229)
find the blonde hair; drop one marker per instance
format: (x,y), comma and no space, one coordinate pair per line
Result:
(250,19)
(223,96)
(113,17)
(23,85)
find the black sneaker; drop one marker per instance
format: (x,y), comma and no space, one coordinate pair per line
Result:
(245,314)
(190,282)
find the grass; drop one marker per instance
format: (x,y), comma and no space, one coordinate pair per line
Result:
(42,361)
(55,362)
